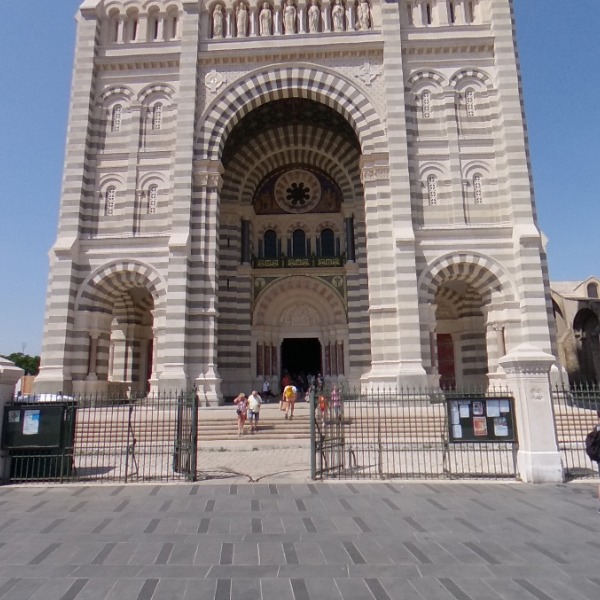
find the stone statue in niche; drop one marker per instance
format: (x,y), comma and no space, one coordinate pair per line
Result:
(265,19)
(242,20)
(364,15)
(218,21)
(337,16)
(289,17)
(314,16)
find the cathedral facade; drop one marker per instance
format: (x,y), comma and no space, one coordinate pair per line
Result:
(337,187)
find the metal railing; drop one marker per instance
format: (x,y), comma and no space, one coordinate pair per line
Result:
(575,415)
(105,439)
(414,434)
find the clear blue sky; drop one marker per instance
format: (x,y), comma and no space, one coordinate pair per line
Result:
(559,45)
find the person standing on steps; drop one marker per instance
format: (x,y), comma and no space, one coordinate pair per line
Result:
(266,391)
(290,393)
(254,403)
(241,410)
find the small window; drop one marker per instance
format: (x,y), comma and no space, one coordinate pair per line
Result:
(134,29)
(470,102)
(157,116)
(470,12)
(116,118)
(174,23)
(109,205)
(299,244)
(592,290)
(432,190)
(426,104)
(428,14)
(270,243)
(114,29)
(452,12)
(152,199)
(478,189)
(327,242)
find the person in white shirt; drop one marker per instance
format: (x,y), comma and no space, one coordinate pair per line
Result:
(254,403)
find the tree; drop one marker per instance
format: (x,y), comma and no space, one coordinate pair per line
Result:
(29,364)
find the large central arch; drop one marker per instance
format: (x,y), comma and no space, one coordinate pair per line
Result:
(278,82)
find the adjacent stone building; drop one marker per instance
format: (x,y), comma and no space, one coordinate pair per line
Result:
(327,186)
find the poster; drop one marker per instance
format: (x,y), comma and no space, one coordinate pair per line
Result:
(500,427)
(480,426)
(464,411)
(504,406)
(14,416)
(31,422)
(493,408)
(456,432)
(477,408)
(454,416)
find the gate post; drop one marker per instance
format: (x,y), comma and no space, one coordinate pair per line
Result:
(9,376)
(527,376)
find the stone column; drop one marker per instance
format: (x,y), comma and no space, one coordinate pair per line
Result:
(253,21)
(245,241)
(302,28)
(93,356)
(350,15)
(527,376)
(326,15)
(229,22)
(202,313)
(350,245)
(277,26)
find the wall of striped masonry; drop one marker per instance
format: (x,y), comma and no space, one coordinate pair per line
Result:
(161,191)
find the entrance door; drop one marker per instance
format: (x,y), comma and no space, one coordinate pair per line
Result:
(446,369)
(301,355)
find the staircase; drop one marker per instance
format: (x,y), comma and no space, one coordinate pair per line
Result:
(220,424)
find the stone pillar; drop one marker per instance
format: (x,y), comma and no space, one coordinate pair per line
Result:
(527,376)
(229,22)
(350,15)
(302,28)
(277,26)
(245,241)
(326,15)
(253,21)
(93,356)
(9,377)
(350,245)
(202,314)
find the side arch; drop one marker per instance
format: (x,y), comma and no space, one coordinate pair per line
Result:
(482,273)
(98,291)
(279,82)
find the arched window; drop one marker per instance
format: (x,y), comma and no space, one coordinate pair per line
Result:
(109,201)
(426,104)
(152,199)
(327,242)
(299,243)
(116,118)
(153,22)
(270,244)
(470,102)
(478,189)
(157,116)
(432,191)
(452,12)
(470,11)
(428,13)
(592,290)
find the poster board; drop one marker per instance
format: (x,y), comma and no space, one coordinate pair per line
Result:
(481,419)
(32,426)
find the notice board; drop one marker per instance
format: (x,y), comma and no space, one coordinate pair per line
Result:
(481,419)
(33,426)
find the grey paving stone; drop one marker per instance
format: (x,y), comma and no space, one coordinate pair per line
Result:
(277,589)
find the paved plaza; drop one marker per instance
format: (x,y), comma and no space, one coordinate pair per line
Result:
(287,538)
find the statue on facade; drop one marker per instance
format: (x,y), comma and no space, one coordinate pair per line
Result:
(314,16)
(242,20)
(364,15)
(265,18)
(218,21)
(289,17)
(337,15)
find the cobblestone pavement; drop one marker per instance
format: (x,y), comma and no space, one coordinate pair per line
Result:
(223,539)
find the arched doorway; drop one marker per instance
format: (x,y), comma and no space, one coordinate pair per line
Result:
(586,327)
(291,209)
(116,311)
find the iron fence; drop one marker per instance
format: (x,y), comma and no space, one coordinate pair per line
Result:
(413,434)
(102,439)
(575,415)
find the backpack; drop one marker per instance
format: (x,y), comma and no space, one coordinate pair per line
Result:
(592,444)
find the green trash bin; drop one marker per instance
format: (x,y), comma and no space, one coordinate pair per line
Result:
(39,438)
